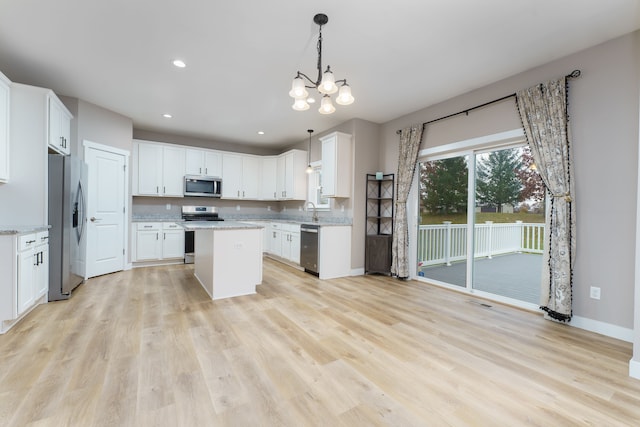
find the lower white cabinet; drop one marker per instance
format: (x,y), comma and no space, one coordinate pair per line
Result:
(275,242)
(285,241)
(172,240)
(155,241)
(24,261)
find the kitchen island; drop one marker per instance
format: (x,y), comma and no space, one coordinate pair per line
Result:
(228,257)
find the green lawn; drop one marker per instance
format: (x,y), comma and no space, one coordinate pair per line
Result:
(482,217)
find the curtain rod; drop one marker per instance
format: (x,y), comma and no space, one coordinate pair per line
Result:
(572,75)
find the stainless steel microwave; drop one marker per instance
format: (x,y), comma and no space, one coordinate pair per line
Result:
(202,186)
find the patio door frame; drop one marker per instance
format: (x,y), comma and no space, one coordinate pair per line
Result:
(470,148)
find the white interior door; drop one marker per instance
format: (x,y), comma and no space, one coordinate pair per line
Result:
(106,212)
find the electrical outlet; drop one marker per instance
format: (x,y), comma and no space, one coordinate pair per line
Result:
(237,207)
(268,208)
(168,206)
(594,292)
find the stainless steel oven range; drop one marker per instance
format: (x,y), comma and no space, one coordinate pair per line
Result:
(196,213)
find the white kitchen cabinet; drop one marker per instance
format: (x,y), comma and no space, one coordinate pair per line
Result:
(24,263)
(203,162)
(240,176)
(275,242)
(29,148)
(27,270)
(159,169)
(172,240)
(337,161)
(291,242)
(268,178)
(5,93)
(59,126)
(284,241)
(156,241)
(291,183)
(148,241)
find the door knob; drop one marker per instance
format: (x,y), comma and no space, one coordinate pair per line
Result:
(94,219)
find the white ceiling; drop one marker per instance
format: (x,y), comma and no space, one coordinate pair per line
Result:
(398,56)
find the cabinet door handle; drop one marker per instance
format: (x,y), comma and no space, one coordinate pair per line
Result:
(243,193)
(200,171)
(41,254)
(165,236)
(238,193)
(157,237)
(206,171)
(164,190)
(275,195)
(157,190)
(30,242)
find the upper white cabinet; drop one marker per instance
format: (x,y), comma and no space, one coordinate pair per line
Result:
(160,169)
(240,176)
(291,182)
(203,162)
(337,161)
(29,148)
(268,178)
(4,127)
(59,126)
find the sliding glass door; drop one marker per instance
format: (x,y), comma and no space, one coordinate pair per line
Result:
(482,223)
(442,232)
(509,225)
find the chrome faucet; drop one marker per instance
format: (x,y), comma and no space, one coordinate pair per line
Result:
(315,211)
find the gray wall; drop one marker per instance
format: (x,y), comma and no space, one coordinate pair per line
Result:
(604,111)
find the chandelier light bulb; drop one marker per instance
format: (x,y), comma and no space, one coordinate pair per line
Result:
(300,104)
(326,106)
(297,88)
(344,96)
(328,83)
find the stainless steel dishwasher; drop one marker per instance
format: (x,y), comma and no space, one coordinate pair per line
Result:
(309,234)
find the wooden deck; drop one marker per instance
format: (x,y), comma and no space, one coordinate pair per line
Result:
(148,347)
(514,276)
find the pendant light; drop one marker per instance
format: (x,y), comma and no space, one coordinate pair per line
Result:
(326,83)
(309,169)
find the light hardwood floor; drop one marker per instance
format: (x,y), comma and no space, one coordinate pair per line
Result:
(148,348)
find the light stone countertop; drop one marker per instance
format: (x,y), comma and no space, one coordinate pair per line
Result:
(22,229)
(218,225)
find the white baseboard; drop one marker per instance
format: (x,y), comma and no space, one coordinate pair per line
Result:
(634,369)
(357,272)
(613,331)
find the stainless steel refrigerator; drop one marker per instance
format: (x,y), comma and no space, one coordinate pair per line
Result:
(67,217)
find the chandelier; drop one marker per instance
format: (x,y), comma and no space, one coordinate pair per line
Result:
(326,83)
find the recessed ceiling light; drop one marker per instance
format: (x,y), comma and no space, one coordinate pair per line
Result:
(179,63)
(167,116)
(260,132)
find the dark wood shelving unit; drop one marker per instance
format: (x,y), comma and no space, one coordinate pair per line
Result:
(379,223)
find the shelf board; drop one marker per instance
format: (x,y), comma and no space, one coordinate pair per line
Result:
(380,198)
(379,217)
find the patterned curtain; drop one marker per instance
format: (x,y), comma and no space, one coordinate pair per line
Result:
(543,110)
(409,143)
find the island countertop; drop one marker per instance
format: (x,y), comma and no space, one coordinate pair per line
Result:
(217,225)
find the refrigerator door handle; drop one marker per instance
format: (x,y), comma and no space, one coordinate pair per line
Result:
(80,211)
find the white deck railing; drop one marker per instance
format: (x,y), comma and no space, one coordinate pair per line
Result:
(447,242)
